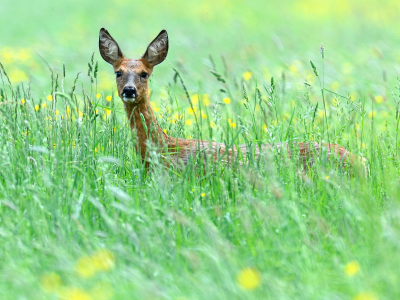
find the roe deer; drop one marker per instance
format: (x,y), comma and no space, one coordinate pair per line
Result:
(132,77)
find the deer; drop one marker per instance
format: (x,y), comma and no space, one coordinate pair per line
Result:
(132,76)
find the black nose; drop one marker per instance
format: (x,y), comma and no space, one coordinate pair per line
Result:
(129,92)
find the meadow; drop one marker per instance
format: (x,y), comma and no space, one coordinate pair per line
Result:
(81,218)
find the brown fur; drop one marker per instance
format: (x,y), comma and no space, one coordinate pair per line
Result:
(180,150)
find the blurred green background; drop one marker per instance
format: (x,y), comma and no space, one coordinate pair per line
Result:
(266,37)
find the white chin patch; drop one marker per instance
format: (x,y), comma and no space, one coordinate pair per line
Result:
(130,100)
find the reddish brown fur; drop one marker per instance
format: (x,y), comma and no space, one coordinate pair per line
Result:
(183,149)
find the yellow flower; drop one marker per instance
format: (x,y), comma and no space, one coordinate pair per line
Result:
(363,145)
(154,106)
(80,114)
(108,98)
(57,112)
(188,122)
(85,266)
(327,177)
(226,100)
(203,195)
(233,125)
(365,296)
(379,99)
(98,96)
(103,260)
(149,92)
(22,101)
(108,111)
(247,75)
(116,93)
(335,86)
(102,291)
(192,111)
(195,99)
(353,95)
(44,105)
(213,125)
(206,100)
(265,128)
(50,282)
(352,268)
(74,294)
(249,278)
(49,98)
(203,115)
(165,130)
(36,107)
(372,114)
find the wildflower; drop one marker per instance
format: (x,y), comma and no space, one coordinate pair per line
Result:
(213,125)
(226,100)
(50,282)
(206,100)
(37,107)
(74,294)
(154,106)
(372,114)
(352,268)
(22,101)
(203,195)
(195,99)
(44,105)
(192,111)
(248,279)
(365,296)
(293,70)
(49,98)
(57,112)
(98,96)
(203,115)
(165,130)
(108,98)
(327,177)
(103,260)
(188,122)
(233,125)
(353,96)
(247,75)
(108,111)
(265,127)
(102,291)
(379,99)
(335,86)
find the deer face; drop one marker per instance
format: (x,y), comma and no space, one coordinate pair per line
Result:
(132,74)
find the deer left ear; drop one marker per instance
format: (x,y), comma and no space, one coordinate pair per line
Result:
(157,50)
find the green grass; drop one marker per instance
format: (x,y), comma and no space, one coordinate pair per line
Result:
(71,182)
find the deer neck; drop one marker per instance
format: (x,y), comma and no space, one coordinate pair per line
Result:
(142,119)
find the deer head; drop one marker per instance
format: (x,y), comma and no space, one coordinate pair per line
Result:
(132,74)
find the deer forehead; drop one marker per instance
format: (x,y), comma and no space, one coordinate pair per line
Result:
(130,65)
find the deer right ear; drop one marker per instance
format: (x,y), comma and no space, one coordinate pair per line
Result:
(109,48)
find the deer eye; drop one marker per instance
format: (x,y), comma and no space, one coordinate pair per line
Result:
(144,75)
(118,74)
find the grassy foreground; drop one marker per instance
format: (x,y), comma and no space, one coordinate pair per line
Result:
(81,218)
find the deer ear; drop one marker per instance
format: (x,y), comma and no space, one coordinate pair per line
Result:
(109,48)
(157,50)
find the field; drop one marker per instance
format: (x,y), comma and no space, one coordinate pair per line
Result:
(81,218)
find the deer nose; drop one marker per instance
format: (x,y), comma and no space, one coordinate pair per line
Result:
(129,92)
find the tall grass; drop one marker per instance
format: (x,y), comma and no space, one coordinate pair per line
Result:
(71,183)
